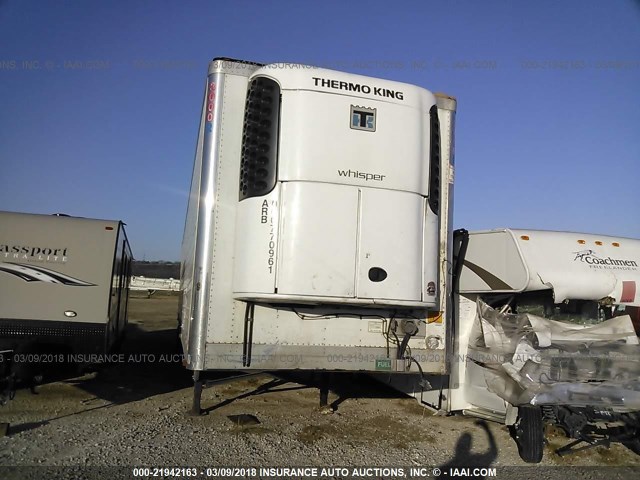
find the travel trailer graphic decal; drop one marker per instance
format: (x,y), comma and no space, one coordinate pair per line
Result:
(589,257)
(489,278)
(30,273)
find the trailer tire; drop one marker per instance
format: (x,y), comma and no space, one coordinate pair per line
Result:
(529,433)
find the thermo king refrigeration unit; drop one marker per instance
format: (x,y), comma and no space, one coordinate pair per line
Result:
(318,227)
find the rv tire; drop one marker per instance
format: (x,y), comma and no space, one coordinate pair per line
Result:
(529,433)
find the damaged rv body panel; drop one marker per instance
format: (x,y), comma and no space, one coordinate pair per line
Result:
(541,318)
(527,295)
(527,359)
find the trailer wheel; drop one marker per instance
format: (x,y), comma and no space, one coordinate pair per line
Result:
(529,433)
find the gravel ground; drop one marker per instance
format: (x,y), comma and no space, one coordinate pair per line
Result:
(136,414)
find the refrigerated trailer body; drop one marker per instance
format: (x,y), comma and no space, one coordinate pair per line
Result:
(63,284)
(318,227)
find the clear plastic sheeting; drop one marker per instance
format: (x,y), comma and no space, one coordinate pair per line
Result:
(528,359)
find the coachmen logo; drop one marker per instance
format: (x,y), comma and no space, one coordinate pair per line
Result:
(590,258)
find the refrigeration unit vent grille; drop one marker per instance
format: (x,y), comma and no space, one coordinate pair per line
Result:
(260,138)
(434,169)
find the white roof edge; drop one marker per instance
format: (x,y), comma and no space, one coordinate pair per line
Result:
(525,231)
(576,266)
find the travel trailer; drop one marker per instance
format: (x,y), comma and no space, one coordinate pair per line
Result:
(546,331)
(317,233)
(63,289)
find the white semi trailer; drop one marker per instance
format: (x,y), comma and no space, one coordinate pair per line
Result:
(318,227)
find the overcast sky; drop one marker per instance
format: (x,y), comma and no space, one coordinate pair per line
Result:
(100,101)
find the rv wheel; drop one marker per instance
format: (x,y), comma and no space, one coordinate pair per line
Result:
(529,433)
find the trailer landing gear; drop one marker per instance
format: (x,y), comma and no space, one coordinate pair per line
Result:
(200,382)
(196,409)
(325,380)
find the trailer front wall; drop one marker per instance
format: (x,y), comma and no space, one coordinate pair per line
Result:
(278,332)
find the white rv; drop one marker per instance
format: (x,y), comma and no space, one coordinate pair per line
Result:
(317,232)
(63,287)
(545,331)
